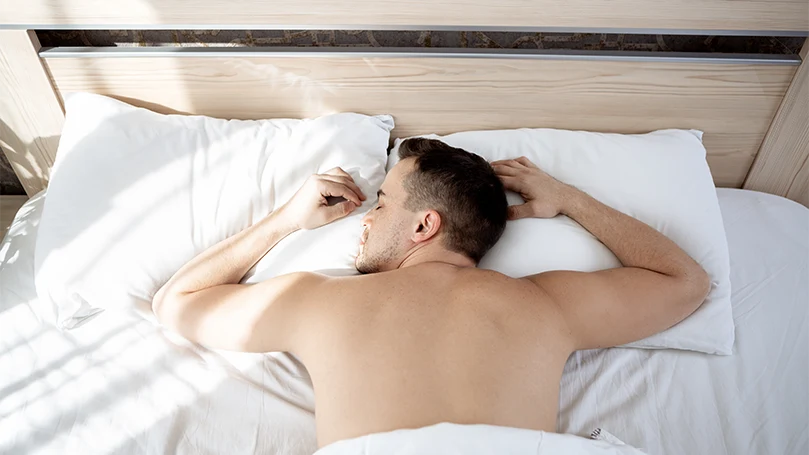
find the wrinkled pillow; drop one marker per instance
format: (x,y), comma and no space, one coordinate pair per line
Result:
(660,178)
(17,254)
(134,195)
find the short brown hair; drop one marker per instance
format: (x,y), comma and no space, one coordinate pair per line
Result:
(463,188)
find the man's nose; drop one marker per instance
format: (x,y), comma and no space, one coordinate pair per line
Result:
(366,220)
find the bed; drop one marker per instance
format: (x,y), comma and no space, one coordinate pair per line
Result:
(123,385)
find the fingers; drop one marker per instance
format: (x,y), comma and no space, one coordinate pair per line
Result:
(331,188)
(516,163)
(516,212)
(338,171)
(526,162)
(512,183)
(340,210)
(347,181)
(341,176)
(504,170)
(509,163)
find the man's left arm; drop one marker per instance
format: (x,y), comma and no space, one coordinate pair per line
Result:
(204,301)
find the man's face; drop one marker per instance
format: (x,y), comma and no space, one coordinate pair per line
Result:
(385,240)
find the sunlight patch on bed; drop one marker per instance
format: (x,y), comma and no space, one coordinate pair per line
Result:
(93,377)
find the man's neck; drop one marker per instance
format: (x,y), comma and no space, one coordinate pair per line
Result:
(435,253)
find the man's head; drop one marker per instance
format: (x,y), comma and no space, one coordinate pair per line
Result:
(436,194)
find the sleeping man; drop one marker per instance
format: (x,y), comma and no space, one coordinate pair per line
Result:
(422,341)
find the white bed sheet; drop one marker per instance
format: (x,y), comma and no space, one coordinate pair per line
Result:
(121,385)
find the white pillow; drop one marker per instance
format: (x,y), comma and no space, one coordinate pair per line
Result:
(17,255)
(660,178)
(134,195)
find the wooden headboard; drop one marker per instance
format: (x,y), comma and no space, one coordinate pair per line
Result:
(735,99)
(774,17)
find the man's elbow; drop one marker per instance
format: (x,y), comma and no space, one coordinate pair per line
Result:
(165,306)
(697,285)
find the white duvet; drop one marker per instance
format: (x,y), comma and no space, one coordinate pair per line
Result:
(454,439)
(120,385)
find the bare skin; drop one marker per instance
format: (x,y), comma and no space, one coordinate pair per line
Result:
(423,336)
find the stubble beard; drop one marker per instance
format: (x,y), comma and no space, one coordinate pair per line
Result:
(370,262)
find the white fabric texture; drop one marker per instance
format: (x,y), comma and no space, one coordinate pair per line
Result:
(17,254)
(123,386)
(454,439)
(134,195)
(660,178)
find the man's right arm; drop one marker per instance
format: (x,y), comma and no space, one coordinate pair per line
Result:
(205,303)
(658,286)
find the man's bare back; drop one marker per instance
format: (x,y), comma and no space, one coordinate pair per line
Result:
(424,336)
(434,343)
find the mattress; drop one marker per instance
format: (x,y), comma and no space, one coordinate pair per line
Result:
(121,385)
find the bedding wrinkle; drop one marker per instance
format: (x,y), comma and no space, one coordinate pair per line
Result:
(741,295)
(196,223)
(264,369)
(720,417)
(26,340)
(577,361)
(645,376)
(265,364)
(713,418)
(260,170)
(796,330)
(276,376)
(177,431)
(95,371)
(90,405)
(797,443)
(221,190)
(43,372)
(256,435)
(177,434)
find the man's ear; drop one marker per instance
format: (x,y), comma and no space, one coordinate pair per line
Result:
(429,223)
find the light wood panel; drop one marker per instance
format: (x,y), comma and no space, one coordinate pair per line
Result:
(31,115)
(9,205)
(732,103)
(763,15)
(782,164)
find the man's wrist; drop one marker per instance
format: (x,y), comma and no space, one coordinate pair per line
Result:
(280,222)
(572,200)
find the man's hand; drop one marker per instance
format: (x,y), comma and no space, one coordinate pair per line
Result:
(544,195)
(309,208)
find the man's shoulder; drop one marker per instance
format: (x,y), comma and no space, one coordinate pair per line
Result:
(497,281)
(424,281)
(516,295)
